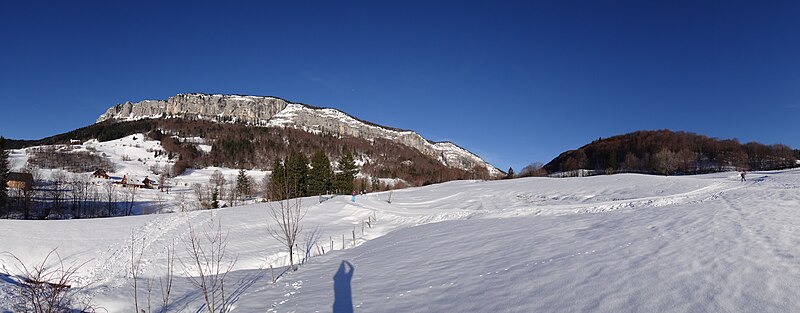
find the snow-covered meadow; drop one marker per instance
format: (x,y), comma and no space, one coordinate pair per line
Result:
(618,243)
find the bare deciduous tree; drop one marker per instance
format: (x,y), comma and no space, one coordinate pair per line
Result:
(79,184)
(129,195)
(286,215)
(208,264)
(665,161)
(534,169)
(136,260)
(161,201)
(163,183)
(166,282)
(149,285)
(57,193)
(180,198)
(111,197)
(201,192)
(46,287)
(217,179)
(232,197)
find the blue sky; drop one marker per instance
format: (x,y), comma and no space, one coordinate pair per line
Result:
(514,82)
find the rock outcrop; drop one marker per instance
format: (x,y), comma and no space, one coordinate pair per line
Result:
(276,112)
(246,109)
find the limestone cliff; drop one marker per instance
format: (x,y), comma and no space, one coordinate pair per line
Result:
(276,112)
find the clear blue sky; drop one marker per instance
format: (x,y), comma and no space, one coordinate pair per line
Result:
(514,82)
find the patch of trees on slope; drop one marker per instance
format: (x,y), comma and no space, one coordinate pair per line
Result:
(668,152)
(243,146)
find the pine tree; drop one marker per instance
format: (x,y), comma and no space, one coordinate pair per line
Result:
(277,182)
(320,174)
(510,173)
(347,172)
(243,184)
(297,174)
(215,198)
(612,163)
(3,175)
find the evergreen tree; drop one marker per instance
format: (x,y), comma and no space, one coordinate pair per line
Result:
(612,164)
(243,184)
(510,173)
(297,174)
(277,182)
(215,198)
(3,175)
(343,181)
(320,174)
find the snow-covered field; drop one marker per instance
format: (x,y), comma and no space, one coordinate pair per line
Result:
(619,243)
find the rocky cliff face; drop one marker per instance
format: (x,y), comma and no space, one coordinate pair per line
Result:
(246,109)
(275,112)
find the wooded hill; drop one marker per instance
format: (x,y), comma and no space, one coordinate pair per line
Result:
(242,146)
(668,152)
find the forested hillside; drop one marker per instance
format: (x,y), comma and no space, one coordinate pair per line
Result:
(668,152)
(241,146)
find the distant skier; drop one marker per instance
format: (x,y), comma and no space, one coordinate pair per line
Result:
(743,173)
(354,196)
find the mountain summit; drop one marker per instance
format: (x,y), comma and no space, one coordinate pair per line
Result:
(278,113)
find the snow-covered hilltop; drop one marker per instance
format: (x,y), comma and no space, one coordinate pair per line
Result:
(276,112)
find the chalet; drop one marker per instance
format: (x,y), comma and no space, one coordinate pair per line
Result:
(147,183)
(19,181)
(132,182)
(125,182)
(100,174)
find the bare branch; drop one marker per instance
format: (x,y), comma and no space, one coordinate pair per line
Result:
(207,256)
(46,288)
(286,215)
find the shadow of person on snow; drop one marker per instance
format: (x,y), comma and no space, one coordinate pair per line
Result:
(343,298)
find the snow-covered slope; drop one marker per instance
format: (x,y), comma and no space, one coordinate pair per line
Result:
(138,157)
(654,244)
(276,112)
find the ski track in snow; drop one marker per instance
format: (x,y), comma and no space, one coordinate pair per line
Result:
(113,271)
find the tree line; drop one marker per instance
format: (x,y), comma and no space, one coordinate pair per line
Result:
(296,176)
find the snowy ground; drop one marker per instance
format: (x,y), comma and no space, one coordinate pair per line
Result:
(630,243)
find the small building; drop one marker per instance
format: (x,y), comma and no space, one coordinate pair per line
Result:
(127,182)
(134,182)
(147,183)
(100,174)
(19,181)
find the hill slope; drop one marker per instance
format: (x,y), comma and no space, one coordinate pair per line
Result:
(668,152)
(702,243)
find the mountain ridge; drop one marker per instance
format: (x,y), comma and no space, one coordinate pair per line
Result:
(271,111)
